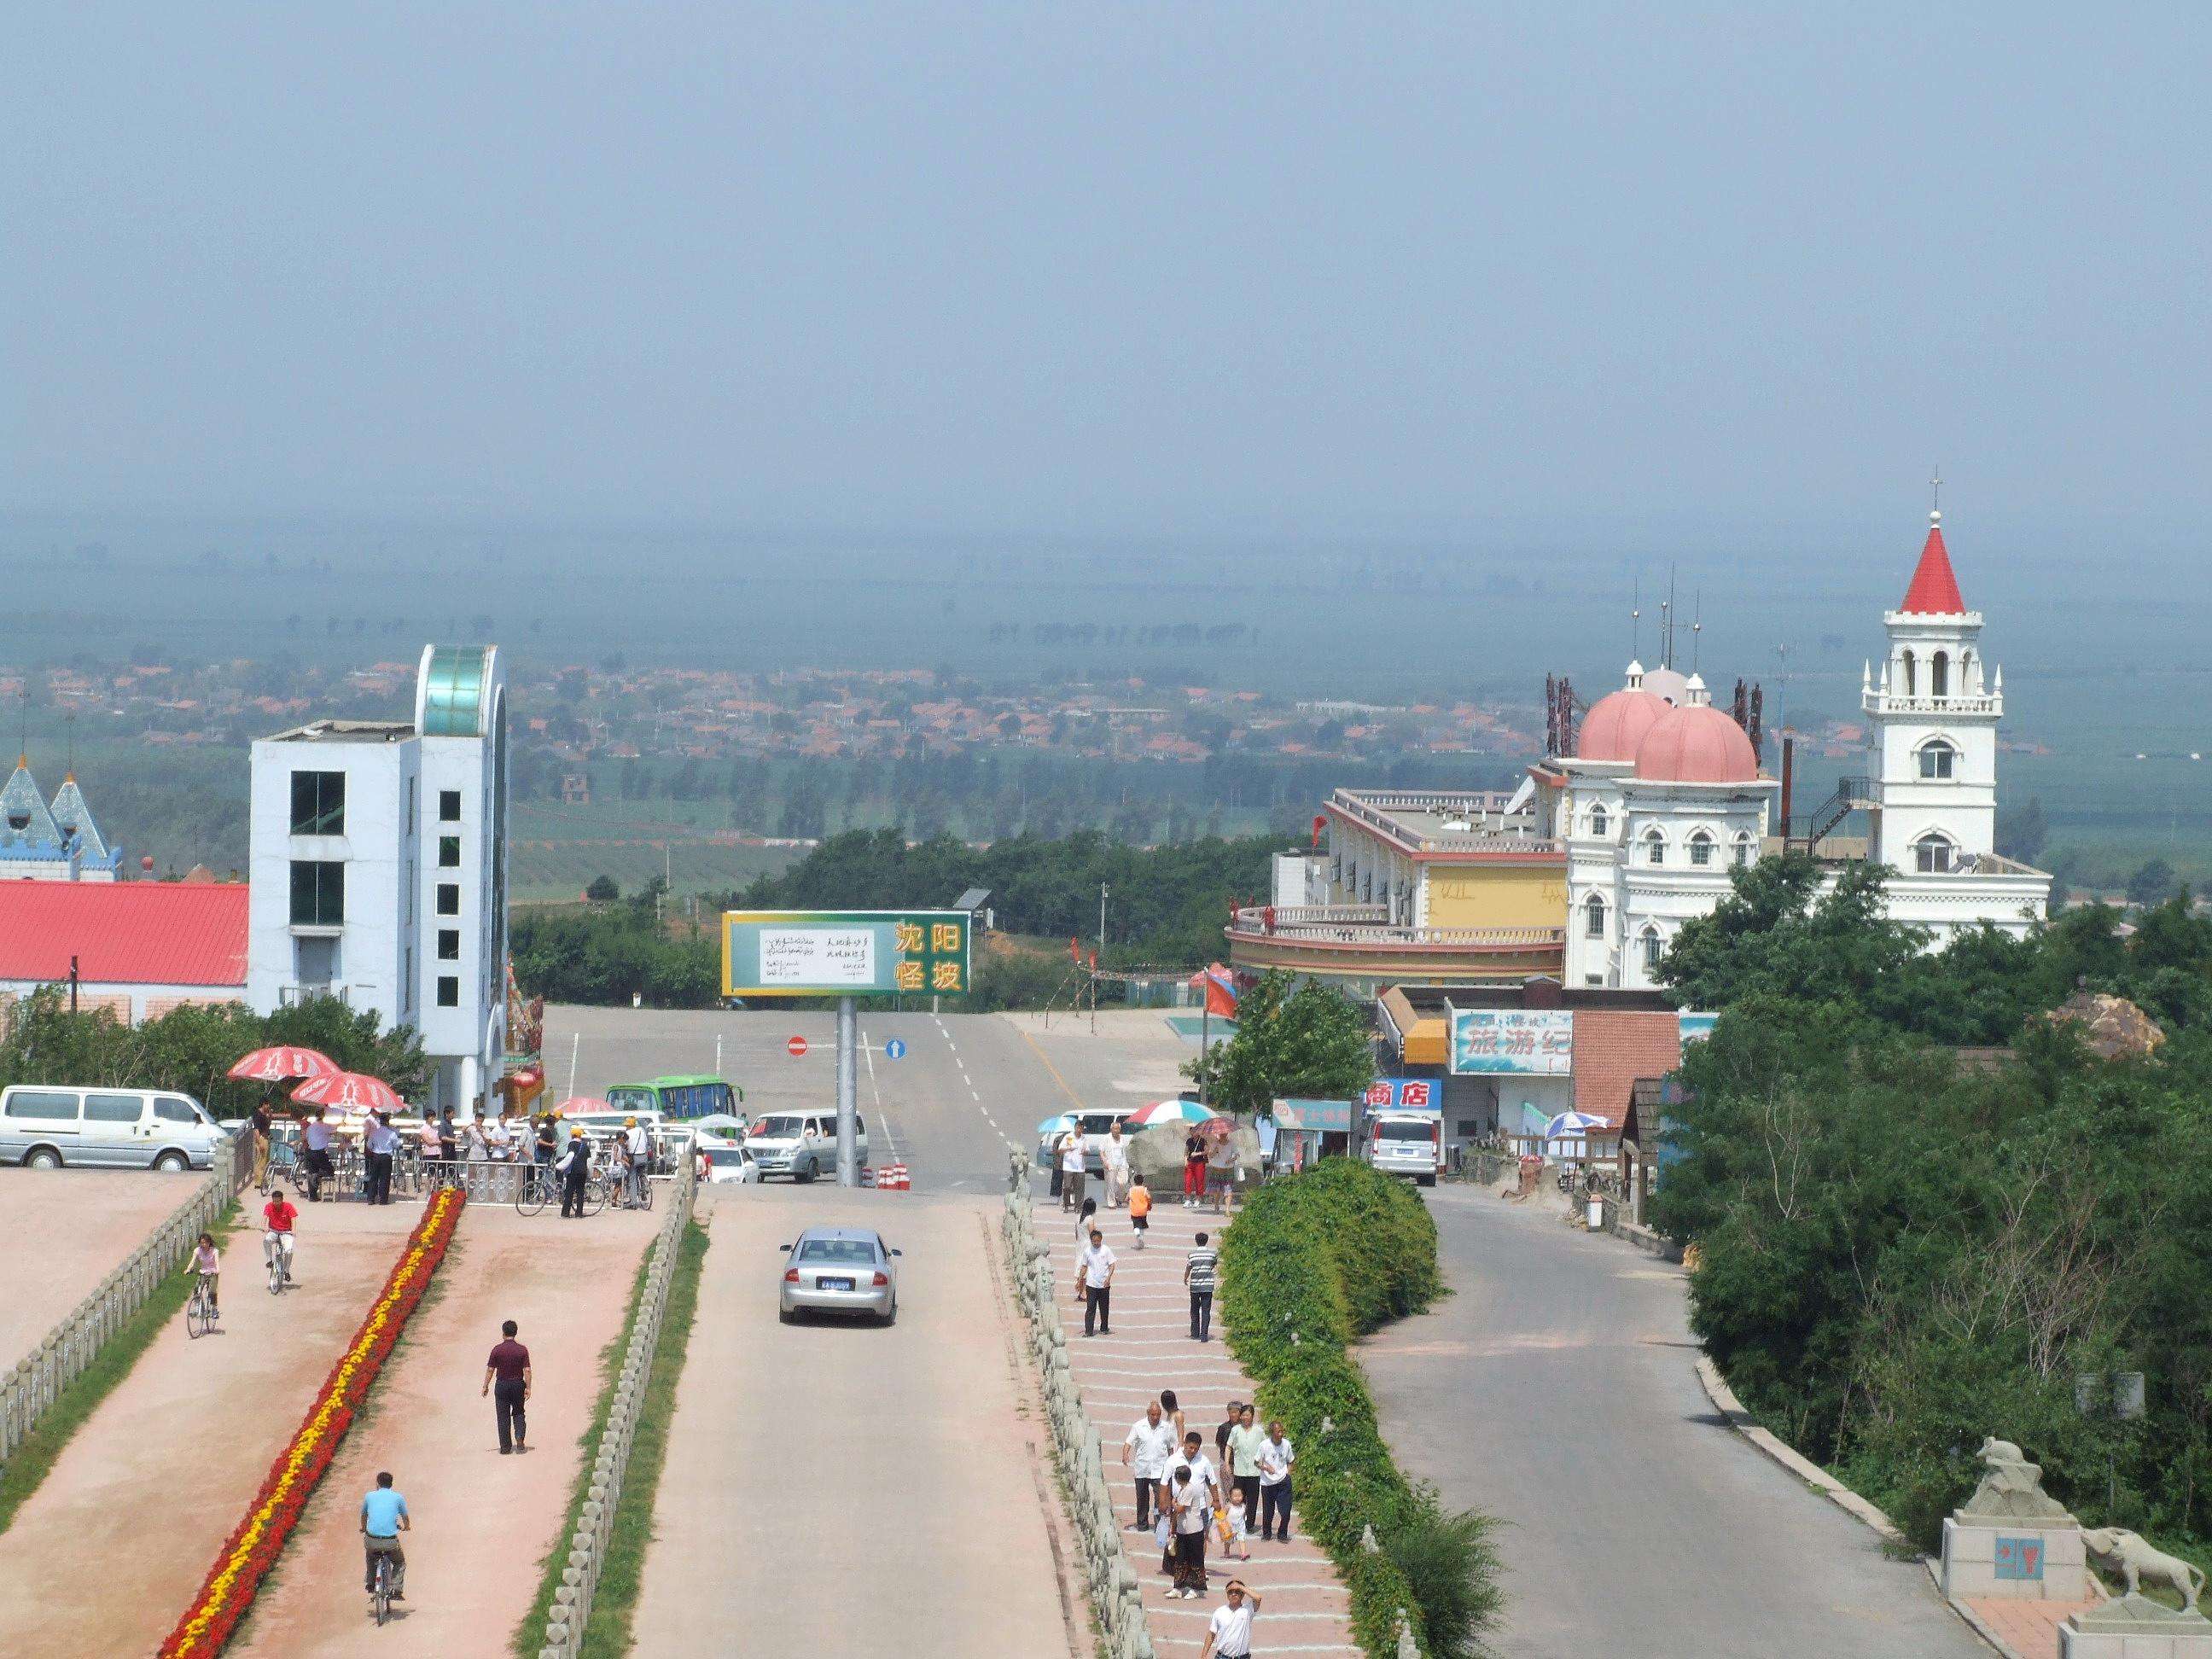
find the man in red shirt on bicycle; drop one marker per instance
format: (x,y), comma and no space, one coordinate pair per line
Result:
(277,1216)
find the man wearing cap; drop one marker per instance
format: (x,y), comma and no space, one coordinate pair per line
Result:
(634,1144)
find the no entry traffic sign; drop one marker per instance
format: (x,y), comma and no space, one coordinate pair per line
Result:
(796,1048)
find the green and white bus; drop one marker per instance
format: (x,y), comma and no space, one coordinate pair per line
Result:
(677,1098)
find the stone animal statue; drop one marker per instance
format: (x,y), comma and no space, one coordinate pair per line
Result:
(2127,1553)
(2011,1487)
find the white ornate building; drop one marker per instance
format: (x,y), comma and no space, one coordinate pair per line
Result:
(1663,795)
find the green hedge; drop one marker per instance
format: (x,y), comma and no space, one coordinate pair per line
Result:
(1325,1257)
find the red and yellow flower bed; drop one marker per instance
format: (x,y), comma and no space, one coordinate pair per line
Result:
(252,1549)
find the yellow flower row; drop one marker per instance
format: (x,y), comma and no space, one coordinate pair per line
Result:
(312,1433)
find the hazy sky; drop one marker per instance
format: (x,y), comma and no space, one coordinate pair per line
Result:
(1184,269)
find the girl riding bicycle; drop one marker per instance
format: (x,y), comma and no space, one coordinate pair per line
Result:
(208,1264)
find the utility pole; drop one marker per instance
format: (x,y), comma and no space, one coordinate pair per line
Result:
(1102,915)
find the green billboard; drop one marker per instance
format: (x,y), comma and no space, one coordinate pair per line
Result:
(844,952)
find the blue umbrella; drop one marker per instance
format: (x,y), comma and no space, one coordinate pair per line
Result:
(1054,1125)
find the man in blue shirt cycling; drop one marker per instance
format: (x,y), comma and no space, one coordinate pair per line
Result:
(383,1518)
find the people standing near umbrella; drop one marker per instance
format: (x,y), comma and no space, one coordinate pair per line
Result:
(382,1145)
(315,1158)
(1193,1168)
(1220,1170)
(260,1124)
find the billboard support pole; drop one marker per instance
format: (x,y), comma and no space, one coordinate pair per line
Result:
(848,1144)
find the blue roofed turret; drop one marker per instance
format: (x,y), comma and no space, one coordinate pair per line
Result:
(74,819)
(25,823)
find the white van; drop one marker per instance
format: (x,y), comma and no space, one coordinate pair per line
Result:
(1405,1142)
(126,1128)
(802,1144)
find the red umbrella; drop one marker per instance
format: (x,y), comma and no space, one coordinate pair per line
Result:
(348,1090)
(276,1065)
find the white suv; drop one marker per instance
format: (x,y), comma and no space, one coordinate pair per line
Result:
(1406,1144)
(802,1144)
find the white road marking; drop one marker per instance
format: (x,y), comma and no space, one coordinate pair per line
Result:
(883,1118)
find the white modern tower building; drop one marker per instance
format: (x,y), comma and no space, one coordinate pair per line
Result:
(379,869)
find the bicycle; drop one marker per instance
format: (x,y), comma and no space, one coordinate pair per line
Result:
(199,1312)
(533,1187)
(283,1168)
(280,1263)
(379,1598)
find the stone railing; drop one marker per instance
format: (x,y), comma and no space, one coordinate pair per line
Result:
(580,1578)
(29,1391)
(1369,924)
(1106,1566)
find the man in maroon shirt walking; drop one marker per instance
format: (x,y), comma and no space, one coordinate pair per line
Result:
(508,1371)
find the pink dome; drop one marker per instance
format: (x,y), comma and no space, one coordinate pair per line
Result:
(1616,724)
(1697,744)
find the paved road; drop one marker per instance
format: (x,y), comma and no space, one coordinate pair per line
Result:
(108,1551)
(842,1488)
(1556,1390)
(967,1089)
(482,1522)
(86,1223)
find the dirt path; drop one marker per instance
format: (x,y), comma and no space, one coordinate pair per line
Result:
(482,1521)
(85,1221)
(108,1552)
(802,1448)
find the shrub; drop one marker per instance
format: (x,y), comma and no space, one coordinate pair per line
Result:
(1310,1266)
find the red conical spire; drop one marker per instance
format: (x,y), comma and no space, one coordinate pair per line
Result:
(1935,589)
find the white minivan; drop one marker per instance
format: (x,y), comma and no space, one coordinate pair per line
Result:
(802,1144)
(1405,1142)
(47,1128)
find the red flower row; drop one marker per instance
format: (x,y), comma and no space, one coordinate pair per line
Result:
(252,1549)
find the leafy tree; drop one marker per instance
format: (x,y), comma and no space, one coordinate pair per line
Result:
(2154,884)
(1293,1038)
(604,889)
(2021,833)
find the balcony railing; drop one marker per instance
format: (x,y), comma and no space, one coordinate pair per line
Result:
(291,996)
(1355,925)
(1898,702)
(1374,809)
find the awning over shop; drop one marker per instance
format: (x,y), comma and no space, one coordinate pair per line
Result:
(1330,1116)
(1420,1039)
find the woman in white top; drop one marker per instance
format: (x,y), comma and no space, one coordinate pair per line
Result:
(1114,1160)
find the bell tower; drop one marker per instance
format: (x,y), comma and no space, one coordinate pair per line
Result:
(1933,726)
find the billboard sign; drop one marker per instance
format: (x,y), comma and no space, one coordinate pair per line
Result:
(844,952)
(1403,1094)
(1513,1041)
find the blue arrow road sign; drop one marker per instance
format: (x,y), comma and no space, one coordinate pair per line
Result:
(895,1049)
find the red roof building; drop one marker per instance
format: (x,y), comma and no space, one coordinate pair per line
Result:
(141,946)
(1614,1047)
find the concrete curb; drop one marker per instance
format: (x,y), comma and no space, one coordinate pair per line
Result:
(580,1578)
(1115,1597)
(29,1390)
(1724,1397)
(1973,1620)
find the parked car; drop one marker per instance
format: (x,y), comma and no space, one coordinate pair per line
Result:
(1093,1126)
(47,1128)
(802,1144)
(1406,1144)
(839,1270)
(722,1163)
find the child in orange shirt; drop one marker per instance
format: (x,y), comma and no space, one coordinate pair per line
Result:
(1140,1208)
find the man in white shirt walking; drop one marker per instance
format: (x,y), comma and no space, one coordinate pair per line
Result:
(1228,1635)
(1094,1272)
(1071,1169)
(1276,1457)
(1114,1163)
(1152,1437)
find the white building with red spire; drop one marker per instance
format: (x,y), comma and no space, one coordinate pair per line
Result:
(1663,795)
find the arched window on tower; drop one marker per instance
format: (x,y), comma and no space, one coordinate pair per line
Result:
(1932,854)
(1745,849)
(1937,758)
(1655,846)
(1701,848)
(1939,675)
(1601,824)
(1653,947)
(1594,916)
(1910,690)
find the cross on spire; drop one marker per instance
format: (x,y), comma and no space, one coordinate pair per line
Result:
(1935,497)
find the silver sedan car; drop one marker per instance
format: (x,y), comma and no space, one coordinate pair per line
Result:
(839,1270)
